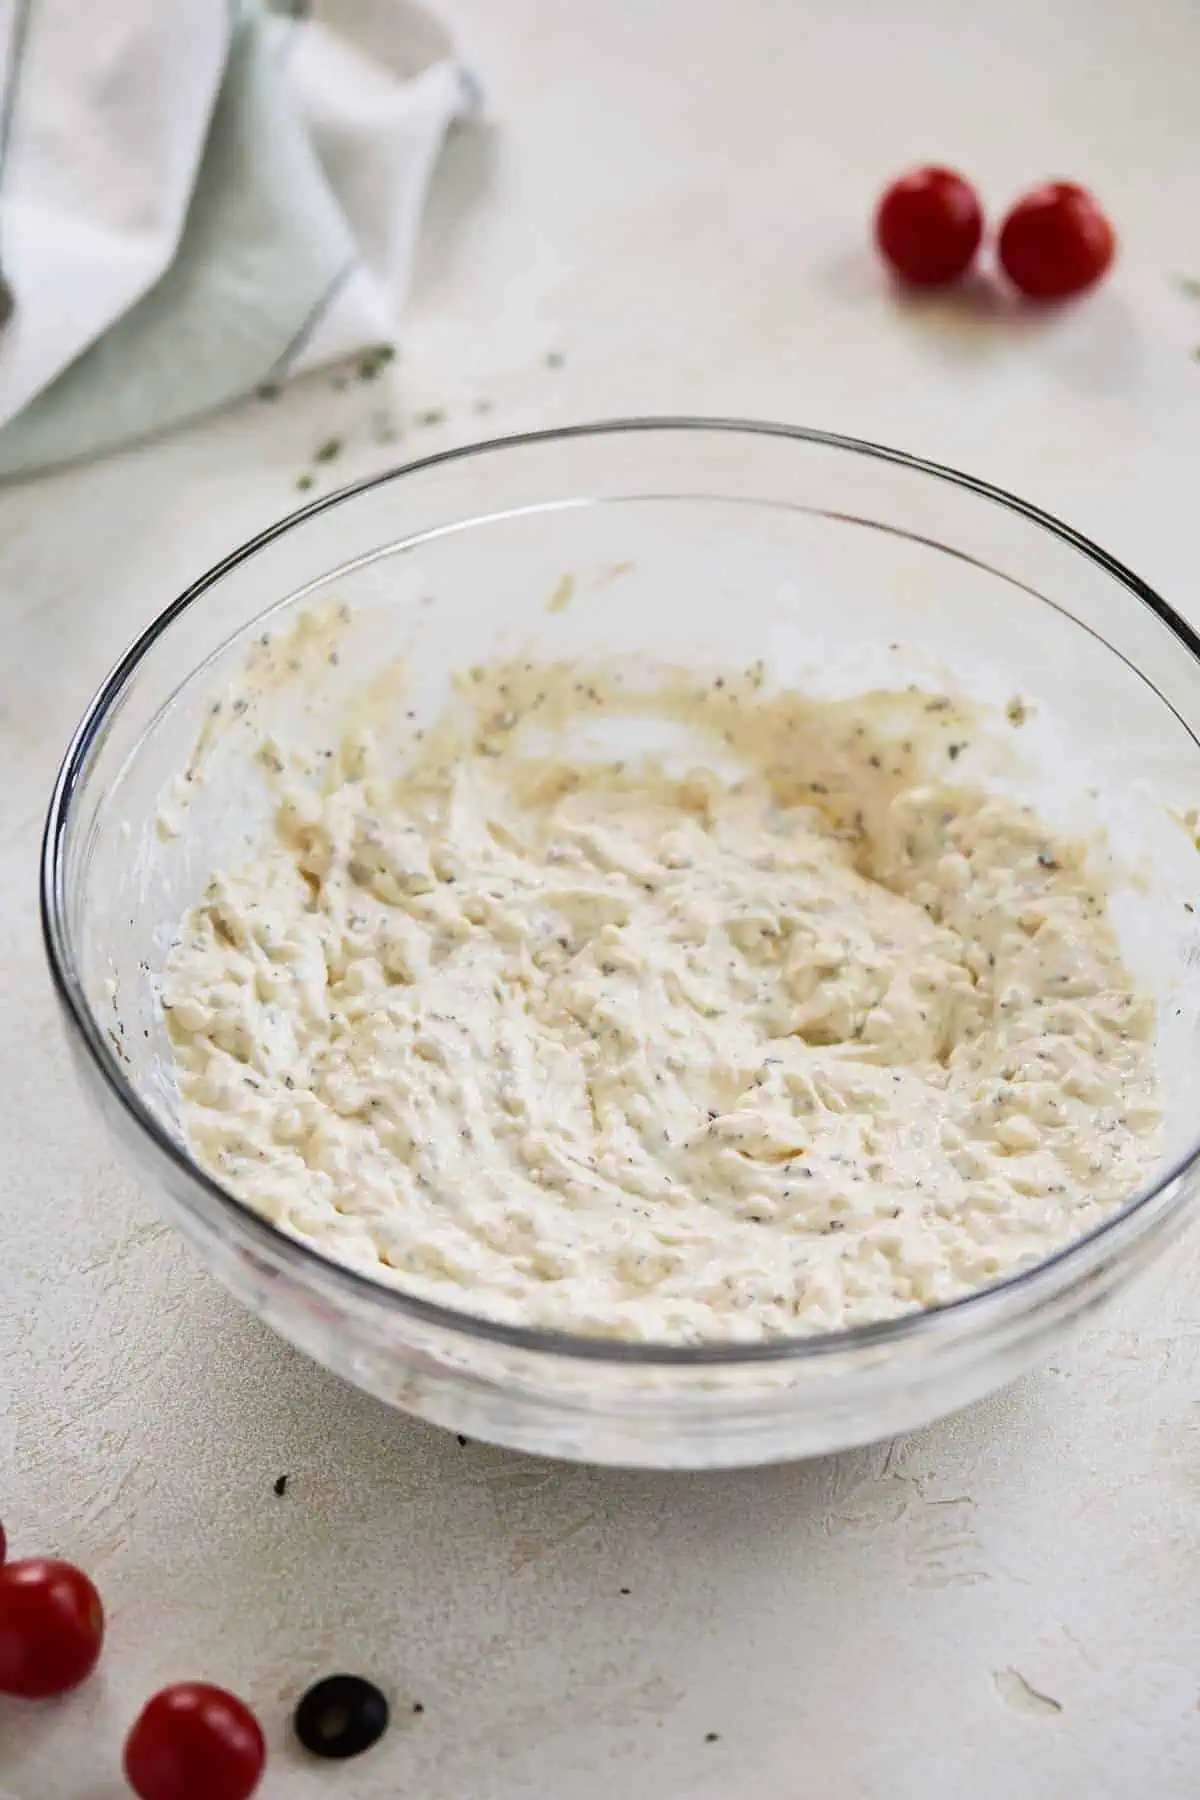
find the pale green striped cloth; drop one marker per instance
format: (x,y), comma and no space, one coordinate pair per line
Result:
(198,198)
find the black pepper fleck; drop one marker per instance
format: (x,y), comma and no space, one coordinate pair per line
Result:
(280,1484)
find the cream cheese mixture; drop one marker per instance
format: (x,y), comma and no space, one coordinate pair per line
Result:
(654,1052)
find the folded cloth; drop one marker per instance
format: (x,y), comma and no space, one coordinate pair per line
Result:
(198,199)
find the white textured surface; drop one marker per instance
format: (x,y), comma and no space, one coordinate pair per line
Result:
(676,205)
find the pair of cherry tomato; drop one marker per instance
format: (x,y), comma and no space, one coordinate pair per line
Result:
(1055,242)
(190,1742)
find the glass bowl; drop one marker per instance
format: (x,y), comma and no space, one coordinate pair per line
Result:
(839,564)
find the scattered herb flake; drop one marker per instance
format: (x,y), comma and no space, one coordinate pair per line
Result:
(434,415)
(370,365)
(554,359)
(304,482)
(329,451)
(560,599)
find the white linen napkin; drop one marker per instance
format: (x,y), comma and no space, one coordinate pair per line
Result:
(201,197)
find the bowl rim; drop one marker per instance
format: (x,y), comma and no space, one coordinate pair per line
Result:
(1040,1279)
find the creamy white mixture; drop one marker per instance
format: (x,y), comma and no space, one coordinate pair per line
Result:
(618,1049)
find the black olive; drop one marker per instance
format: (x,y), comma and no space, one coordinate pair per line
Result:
(341,1716)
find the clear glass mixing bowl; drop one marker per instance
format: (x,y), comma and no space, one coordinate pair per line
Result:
(841,565)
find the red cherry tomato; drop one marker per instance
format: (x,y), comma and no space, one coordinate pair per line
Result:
(51,1627)
(194,1742)
(928,226)
(1056,242)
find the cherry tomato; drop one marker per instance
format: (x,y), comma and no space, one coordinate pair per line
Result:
(194,1742)
(928,226)
(1056,242)
(51,1627)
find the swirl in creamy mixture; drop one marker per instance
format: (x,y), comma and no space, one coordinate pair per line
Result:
(621,1049)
